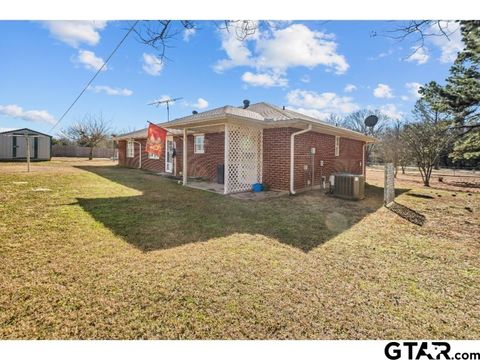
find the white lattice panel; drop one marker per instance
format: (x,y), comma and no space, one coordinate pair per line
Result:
(243,151)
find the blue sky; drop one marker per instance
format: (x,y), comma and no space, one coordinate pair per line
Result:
(315,67)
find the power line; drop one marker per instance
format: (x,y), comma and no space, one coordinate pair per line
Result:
(94,76)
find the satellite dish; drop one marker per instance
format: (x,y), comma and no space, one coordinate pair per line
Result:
(371,120)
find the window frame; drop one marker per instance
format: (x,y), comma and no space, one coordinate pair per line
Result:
(195,150)
(337,145)
(130,151)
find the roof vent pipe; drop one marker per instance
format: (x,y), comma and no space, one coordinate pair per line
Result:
(246,103)
(283,107)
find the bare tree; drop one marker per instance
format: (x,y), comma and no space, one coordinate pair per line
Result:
(426,139)
(394,148)
(418,31)
(334,119)
(89,132)
(356,121)
(159,34)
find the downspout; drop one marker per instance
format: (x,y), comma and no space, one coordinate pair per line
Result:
(292,156)
(184,154)
(363,159)
(140,158)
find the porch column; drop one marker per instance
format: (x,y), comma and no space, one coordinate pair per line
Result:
(226,151)
(184,163)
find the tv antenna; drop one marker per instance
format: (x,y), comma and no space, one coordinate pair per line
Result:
(167,102)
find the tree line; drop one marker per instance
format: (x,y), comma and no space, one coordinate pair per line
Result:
(444,126)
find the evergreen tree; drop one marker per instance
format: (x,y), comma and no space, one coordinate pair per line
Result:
(459,99)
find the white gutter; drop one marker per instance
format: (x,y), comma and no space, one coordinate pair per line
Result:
(363,159)
(292,156)
(184,154)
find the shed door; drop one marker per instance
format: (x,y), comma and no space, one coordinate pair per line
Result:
(20,147)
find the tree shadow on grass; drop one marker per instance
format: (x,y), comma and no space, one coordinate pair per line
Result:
(167,214)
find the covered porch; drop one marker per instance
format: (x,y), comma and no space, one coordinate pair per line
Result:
(241,148)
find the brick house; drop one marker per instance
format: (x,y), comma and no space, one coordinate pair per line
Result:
(238,147)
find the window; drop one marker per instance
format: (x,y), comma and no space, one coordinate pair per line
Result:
(130,149)
(337,145)
(153,156)
(199,144)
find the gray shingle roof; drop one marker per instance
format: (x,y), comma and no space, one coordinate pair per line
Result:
(220,112)
(274,113)
(259,112)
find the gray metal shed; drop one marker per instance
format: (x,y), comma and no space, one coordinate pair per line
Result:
(13,145)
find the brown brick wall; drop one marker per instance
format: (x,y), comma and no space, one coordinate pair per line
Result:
(276,157)
(155,165)
(204,165)
(349,159)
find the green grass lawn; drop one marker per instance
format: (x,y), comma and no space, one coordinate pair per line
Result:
(90,250)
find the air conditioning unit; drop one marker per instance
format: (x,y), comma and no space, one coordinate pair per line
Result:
(348,186)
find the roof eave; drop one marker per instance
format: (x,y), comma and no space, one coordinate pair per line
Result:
(338,131)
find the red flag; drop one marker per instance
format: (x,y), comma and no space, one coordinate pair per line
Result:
(155,139)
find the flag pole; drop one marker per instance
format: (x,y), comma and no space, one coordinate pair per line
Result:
(169,132)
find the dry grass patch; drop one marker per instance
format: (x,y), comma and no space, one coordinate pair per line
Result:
(118,253)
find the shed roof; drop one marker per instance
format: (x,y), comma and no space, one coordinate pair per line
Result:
(23,130)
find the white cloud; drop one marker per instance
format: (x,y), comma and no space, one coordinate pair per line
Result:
(264,79)
(391,111)
(404,98)
(200,104)
(413,88)
(320,105)
(188,33)
(152,65)
(297,45)
(383,91)
(89,60)
(382,55)
(237,52)
(305,79)
(450,46)
(74,32)
(2,129)
(317,114)
(419,55)
(17,112)
(349,88)
(110,91)
(280,49)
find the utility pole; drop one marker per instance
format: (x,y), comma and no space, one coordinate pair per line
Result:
(167,102)
(27,138)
